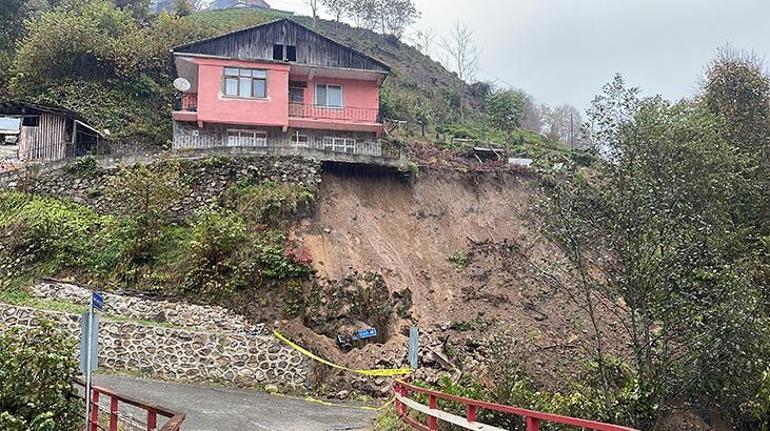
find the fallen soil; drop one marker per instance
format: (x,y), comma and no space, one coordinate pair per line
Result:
(469,249)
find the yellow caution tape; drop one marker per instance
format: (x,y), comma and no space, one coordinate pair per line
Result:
(380,373)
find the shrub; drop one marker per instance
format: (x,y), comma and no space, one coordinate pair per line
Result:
(275,261)
(759,407)
(36,371)
(211,265)
(269,203)
(46,231)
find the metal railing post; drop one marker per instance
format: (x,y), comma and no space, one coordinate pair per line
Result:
(470,413)
(533,424)
(152,420)
(113,414)
(433,404)
(94,420)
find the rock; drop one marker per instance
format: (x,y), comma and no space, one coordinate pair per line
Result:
(342,395)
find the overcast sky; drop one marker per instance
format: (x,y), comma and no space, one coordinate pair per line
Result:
(562,51)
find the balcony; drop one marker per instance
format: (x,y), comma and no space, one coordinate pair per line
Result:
(346,113)
(186,107)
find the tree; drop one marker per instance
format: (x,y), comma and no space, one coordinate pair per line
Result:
(505,109)
(563,123)
(533,114)
(337,8)
(147,196)
(463,52)
(314,5)
(386,16)
(183,8)
(395,15)
(652,233)
(139,9)
(37,367)
(738,88)
(423,114)
(424,39)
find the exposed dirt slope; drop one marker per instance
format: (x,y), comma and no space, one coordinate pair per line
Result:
(407,232)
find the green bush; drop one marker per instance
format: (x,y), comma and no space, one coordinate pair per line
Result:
(47,232)
(759,407)
(268,202)
(37,367)
(212,266)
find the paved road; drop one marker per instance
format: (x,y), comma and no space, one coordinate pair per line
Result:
(215,409)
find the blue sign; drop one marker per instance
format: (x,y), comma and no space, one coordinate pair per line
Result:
(97,301)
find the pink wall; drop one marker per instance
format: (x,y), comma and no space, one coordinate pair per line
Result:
(215,107)
(361,98)
(355,93)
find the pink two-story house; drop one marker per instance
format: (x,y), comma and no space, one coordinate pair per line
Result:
(283,86)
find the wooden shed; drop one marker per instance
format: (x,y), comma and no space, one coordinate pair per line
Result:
(50,133)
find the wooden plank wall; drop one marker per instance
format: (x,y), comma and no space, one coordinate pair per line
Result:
(47,141)
(257,44)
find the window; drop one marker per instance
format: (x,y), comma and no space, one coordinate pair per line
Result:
(246,83)
(328,95)
(297,91)
(284,52)
(291,53)
(299,140)
(342,145)
(246,138)
(30,121)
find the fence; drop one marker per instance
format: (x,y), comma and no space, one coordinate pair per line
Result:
(346,113)
(533,419)
(122,419)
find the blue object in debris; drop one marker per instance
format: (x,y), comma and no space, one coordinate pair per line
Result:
(363,334)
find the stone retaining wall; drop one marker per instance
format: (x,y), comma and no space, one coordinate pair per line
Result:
(205,179)
(179,354)
(199,317)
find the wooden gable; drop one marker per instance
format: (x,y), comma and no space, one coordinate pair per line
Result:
(257,43)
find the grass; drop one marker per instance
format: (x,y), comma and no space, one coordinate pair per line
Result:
(388,420)
(226,20)
(459,260)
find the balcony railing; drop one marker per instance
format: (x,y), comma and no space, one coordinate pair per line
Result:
(186,102)
(345,113)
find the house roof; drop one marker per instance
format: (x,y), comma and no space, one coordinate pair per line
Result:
(18,107)
(11,107)
(246,44)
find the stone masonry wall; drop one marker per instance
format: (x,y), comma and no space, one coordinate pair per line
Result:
(199,317)
(206,179)
(179,354)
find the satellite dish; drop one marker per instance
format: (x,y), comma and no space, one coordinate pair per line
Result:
(182,84)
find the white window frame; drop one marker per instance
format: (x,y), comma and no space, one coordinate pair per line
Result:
(297,138)
(246,138)
(325,103)
(244,73)
(339,144)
